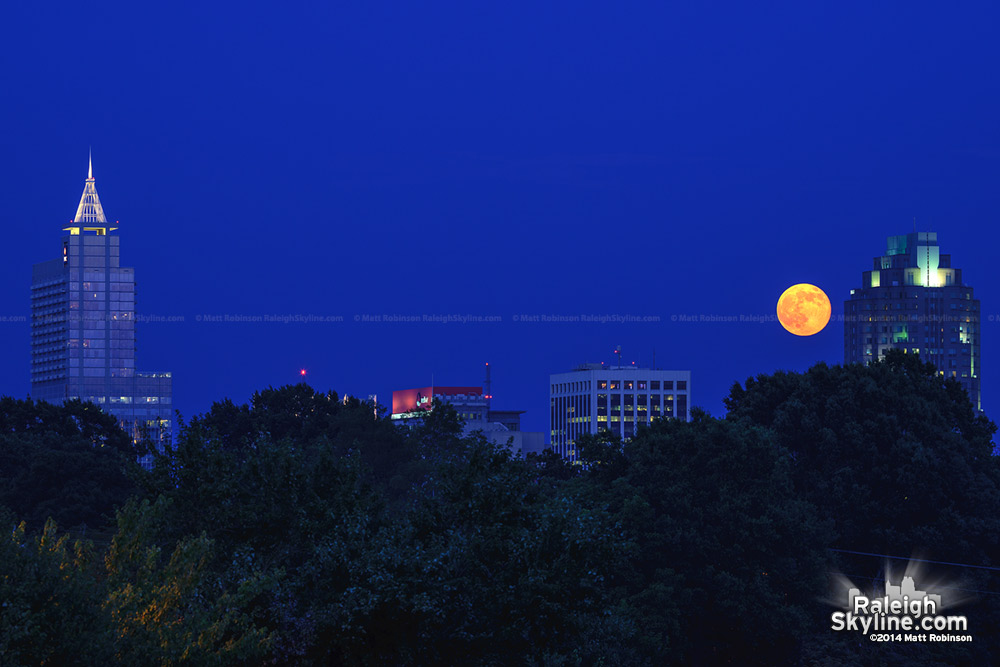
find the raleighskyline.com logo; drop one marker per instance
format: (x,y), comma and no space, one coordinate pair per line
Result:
(903,614)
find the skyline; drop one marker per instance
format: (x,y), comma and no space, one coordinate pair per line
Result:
(707,319)
(627,166)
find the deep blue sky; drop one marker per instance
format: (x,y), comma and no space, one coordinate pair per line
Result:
(494,159)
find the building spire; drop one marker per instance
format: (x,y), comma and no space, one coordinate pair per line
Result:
(90,209)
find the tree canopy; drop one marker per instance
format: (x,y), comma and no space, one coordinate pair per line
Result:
(69,462)
(301,528)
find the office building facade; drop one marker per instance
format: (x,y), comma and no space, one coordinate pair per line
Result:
(914,300)
(472,404)
(409,406)
(595,398)
(83,327)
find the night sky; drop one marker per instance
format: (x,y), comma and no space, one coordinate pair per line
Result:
(495,160)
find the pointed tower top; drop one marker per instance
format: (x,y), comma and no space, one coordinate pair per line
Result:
(90,165)
(90,209)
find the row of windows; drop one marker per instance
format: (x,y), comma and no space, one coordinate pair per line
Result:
(47,295)
(602,399)
(94,262)
(100,314)
(74,343)
(91,240)
(903,317)
(48,325)
(116,372)
(98,286)
(91,299)
(129,400)
(148,400)
(627,385)
(951,351)
(94,251)
(118,347)
(915,295)
(903,338)
(119,330)
(967,328)
(929,351)
(100,353)
(45,287)
(949,277)
(117,275)
(100,361)
(898,305)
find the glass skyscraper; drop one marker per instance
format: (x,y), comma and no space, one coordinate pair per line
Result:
(83,327)
(914,300)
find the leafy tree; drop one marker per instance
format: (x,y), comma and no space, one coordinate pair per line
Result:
(50,600)
(891,451)
(178,612)
(476,561)
(510,566)
(552,466)
(296,498)
(64,461)
(299,414)
(305,529)
(726,558)
(897,459)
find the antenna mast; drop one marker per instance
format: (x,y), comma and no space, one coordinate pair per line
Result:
(488,386)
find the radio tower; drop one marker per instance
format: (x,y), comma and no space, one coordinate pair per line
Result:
(488,386)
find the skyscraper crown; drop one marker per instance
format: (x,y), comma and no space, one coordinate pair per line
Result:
(90,209)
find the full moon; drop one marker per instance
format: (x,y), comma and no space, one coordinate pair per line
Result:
(803,309)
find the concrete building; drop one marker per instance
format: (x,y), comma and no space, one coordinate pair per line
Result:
(83,327)
(913,299)
(410,406)
(594,398)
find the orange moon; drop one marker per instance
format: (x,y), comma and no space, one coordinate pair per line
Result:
(803,309)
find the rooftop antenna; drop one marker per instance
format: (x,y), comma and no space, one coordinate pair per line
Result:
(618,351)
(488,386)
(654,358)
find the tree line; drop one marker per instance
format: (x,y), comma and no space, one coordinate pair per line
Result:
(302,529)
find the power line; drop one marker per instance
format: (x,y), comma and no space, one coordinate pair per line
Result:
(950,588)
(917,560)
